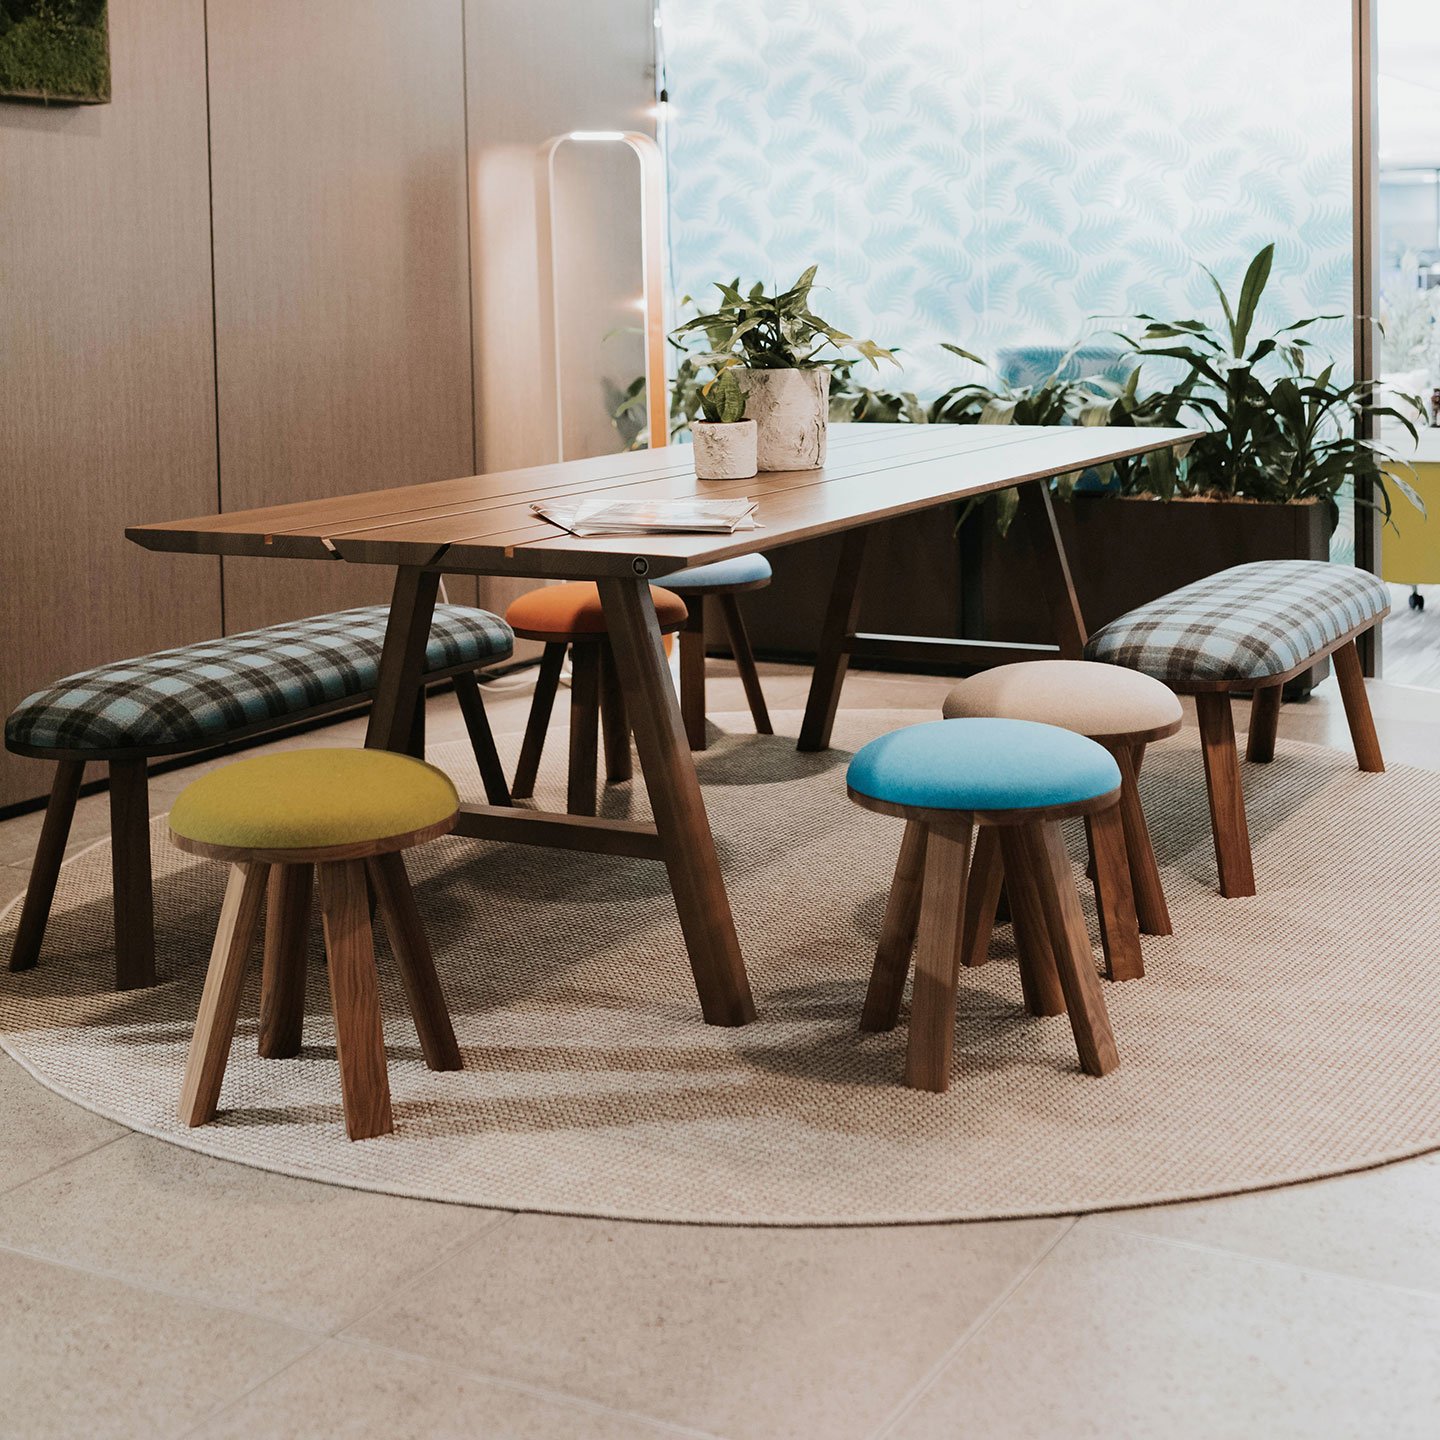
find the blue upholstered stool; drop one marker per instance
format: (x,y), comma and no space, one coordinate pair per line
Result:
(724,580)
(943,779)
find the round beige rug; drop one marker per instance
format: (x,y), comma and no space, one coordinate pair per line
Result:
(1274,1039)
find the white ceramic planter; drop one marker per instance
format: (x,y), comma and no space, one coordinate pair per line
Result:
(789,408)
(724,452)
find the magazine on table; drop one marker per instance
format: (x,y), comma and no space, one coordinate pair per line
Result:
(651,517)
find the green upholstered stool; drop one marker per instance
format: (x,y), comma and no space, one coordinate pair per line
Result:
(340,818)
(1122,710)
(943,779)
(723,581)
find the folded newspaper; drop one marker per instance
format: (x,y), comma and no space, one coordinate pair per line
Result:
(655,517)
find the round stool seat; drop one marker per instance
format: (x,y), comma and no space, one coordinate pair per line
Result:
(323,800)
(1101,701)
(743,572)
(573,610)
(982,766)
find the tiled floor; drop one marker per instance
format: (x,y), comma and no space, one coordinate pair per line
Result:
(150,1291)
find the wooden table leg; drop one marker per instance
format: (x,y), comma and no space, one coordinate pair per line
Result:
(45,868)
(832,659)
(1036,517)
(282,977)
(402,661)
(897,933)
(680,819)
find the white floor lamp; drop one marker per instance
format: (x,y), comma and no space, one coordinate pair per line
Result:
(652,254)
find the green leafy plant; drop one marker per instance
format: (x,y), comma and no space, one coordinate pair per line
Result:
(771,332)
(722,400)
(1275,431)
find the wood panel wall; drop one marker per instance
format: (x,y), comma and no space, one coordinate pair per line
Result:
(342,329)
(368,164)
(107,386)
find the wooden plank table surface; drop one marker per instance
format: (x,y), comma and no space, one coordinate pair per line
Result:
(483,524)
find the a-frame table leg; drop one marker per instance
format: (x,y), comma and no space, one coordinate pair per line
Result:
(832,659)
(1036,517)
(402,661)
(674,789)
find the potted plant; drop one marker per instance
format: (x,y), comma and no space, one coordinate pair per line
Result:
(724,441)
(777,345)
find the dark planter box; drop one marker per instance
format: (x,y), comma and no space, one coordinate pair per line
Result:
(921,579)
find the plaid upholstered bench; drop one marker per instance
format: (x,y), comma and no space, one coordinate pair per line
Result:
(1249,630)
(200,696)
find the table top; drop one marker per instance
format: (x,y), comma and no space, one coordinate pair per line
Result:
(483,523)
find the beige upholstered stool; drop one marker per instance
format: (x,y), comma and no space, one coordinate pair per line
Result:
(1122,710)
(342,816)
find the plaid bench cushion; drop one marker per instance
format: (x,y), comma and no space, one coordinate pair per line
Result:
(195,695)
(1245,623)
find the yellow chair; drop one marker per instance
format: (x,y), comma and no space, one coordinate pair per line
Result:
(1410,552)
(341,817)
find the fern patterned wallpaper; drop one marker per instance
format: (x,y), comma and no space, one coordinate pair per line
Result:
(998,172)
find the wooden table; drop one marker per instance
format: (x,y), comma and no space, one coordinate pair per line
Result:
(482,524)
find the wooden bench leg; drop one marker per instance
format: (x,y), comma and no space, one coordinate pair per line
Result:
(982,896)
(897,934)
(1070,941)
(1227,799)
(1264,723)
(584,727)
(1351,676)
(930,1049)
(745,663)
(355,998)
(416,743)
(1114,897)
(692,674)
(547,681)
(1039,979)
(417,965)
(282,977)
(482,740)
(1150,907)
(130,870)
(220,1000)
(45,868)
(614,722)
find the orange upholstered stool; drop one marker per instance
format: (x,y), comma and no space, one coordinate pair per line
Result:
(570,617)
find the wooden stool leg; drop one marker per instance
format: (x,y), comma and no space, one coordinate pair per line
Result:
(745,663)
(417,965)
(584,727)
(1150,907)
(282,978)
(1039,979)
(897,934)
(355,998)
(482,740)
(937,959)
(692,674)
(547,681)
(1264,723)
(1351,676)
(130,869)
(45,868)
(1114,896)
(1227,799)
(982,896)
(1065,921)
(614,722)
(220,1000)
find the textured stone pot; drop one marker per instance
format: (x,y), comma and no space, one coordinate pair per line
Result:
(724,452)
(789,408)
